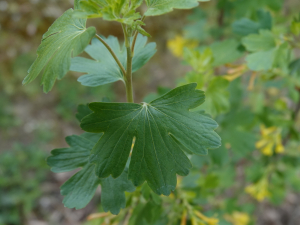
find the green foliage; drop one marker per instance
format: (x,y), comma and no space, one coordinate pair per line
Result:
(263,41)
(162,129)
(295,27)
(217,96)
(81,187)
(226,52)
(246,26)
(250,79)
(158,7)
(19,164)
(110,71)
(66,38)
(262,60)
(160,149)
(112,10)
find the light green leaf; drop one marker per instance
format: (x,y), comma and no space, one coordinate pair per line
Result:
(201,61)
(159,7)
(142,31)
(241,142)
(217,97)
(225,52)
(261,60)
(104,69)
(283,57)
(237,129)
(263,41)
(162,129)
(295,26)
(87,9)
(67,37)
(80,188)
(76,4)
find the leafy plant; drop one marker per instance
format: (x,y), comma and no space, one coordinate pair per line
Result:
(251,81)
(126,143)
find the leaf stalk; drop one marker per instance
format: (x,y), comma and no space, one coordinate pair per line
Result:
(113,54)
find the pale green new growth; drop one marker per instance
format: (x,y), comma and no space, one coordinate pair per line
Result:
(115,10)
(263,41)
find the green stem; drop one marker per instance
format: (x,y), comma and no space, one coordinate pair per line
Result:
(128,75)
(112,53)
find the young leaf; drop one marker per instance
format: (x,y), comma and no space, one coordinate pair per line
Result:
(80,188)
(217,97)
(114,10)
(88,9)
(104,69)
(263,60)
(225,52)
(67,37)
(263,41)
(163,130)
(159,7)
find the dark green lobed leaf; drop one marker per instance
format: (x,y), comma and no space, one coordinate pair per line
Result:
(83,110)
(163,129)
(81,187)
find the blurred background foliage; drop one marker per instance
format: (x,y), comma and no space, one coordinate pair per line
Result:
(244,54)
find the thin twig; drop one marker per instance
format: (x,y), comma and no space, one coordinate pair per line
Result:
(113,54)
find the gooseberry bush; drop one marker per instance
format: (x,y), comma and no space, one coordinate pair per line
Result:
(125,144)
(139,152)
